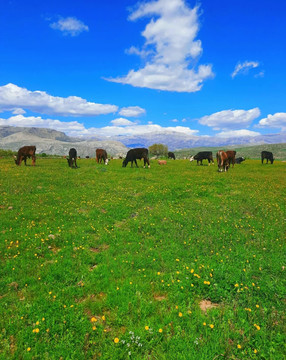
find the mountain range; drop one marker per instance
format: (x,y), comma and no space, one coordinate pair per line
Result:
(58,143)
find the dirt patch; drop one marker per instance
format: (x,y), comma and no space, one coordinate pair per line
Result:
(205,305)
(160,297)
(99,249)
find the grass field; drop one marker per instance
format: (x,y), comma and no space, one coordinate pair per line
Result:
(105,262)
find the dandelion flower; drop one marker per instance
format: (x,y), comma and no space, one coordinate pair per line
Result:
(93,319)
(211,326)
(28,349)
(146,327)
(180,314)
(116,340)
(239,346)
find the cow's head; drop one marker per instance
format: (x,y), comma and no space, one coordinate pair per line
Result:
(124,163)
(16,160)
(69,161)
(106,161)
(191,158)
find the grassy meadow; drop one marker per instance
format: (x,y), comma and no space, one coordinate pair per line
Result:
(172,262)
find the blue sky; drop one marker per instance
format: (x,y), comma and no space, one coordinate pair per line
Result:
(125,67)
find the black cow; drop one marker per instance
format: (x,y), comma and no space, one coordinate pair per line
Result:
(203,155)
(24,153)
(72,158)
(239,160)
(267,155)
(171,155)
(134,154)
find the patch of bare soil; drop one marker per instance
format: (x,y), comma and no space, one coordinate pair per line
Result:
(205,305)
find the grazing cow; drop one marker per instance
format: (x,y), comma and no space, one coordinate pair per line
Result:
(203,155)
(24,153)
(171,155)
(134,154)
(222,161)
(267,155)
(72,158)
(231,157)
(87,157)
(101,154)
(239,160)
(162,162)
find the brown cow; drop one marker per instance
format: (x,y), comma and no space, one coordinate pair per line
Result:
(101,154)
(24,153)
(162,162)
(231,157)
(222,161)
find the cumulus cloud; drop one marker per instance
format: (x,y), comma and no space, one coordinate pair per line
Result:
(245,67)
(230,119)
(121,122)
(132,111)
(170,51)
(143,130)
(13,97)
(237,133)
(69,26)
(74,128)
(37,121)
(277,120)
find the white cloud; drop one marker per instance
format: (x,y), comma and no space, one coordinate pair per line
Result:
(132,111)
(237,133)
(230,119)
(143,130)
(121,122)
(170,50)
(74,128)
(69,26)
(245,67)
(36,121)
(278,120)
(13,97)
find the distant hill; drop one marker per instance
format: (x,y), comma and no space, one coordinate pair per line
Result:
(251,152)
(58,143)
(175,140)
(55,142)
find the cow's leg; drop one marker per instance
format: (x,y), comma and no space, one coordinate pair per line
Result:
(136,163)
(21,159)
(33,160)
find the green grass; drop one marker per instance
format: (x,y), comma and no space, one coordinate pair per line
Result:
(100,253)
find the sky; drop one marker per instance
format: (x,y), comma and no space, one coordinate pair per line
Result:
(88,68)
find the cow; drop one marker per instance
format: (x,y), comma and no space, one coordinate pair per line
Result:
(231,157)
(222,161)
(162,162)
(239,160)
(101,154)
(171,155)
(134,154)
(24,153)
(267,155)
(72,158)
(203,155)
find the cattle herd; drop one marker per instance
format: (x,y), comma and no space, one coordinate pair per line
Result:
(224,158)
